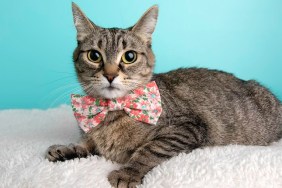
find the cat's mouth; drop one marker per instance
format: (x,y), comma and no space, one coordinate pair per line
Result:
(110,88)
(112,92)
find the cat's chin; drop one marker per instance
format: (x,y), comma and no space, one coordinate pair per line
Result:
(112,92)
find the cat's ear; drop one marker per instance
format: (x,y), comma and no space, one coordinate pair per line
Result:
(83,25)
(147,23)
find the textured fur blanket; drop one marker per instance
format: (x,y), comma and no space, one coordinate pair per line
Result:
(26,134)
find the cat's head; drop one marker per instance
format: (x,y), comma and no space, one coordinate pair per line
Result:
(110,62)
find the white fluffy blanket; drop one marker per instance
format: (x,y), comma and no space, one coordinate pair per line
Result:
(26,134)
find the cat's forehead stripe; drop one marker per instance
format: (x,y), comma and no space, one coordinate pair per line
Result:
(112,41)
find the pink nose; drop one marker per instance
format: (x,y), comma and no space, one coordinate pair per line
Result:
(110,77)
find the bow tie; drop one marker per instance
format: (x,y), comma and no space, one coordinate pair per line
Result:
(142,104)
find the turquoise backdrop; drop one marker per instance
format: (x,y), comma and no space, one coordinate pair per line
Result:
(37,39)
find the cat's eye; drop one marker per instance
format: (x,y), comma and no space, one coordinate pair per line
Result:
(129,57)
(94,56)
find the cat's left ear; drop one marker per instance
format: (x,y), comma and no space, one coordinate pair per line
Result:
(147,23)
(83,25)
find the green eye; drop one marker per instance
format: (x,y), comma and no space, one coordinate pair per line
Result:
(129,57)
(94,56)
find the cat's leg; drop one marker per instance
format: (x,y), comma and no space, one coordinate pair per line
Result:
(169,142)
(67,152)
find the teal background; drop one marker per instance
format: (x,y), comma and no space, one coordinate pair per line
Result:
(37,39)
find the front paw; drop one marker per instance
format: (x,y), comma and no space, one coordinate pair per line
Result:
(61,152)
(125,178)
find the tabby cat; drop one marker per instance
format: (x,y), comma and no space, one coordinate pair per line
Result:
(201,107)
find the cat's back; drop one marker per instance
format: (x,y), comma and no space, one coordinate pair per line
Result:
(198,77)
(230,106)
(214,84)
(202,84)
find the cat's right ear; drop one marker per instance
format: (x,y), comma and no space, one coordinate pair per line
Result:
(83,26)
(147,23)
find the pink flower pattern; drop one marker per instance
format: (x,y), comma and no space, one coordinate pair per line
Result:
(142,104)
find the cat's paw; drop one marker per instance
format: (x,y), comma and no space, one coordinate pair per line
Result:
(61,152)
(125,178)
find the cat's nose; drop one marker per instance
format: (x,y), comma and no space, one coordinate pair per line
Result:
(110,77)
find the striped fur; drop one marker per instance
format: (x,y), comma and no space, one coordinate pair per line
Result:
(200,107)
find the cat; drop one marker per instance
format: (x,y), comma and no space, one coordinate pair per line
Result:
(201,107)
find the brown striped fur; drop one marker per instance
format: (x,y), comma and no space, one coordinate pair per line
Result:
(201,107)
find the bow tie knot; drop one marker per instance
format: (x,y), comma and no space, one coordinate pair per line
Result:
(142,104)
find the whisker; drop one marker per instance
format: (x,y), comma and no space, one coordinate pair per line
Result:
(63,89)
(57,80)
(63,96)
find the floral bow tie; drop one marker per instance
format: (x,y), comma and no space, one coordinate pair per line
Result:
(142,104)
